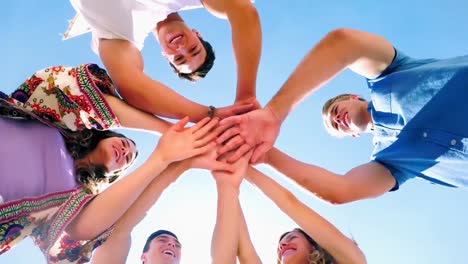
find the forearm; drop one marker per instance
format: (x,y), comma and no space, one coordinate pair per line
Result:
(112,203)
(226,232)
(133,118)
(326,185)
(149,197)
(156,98)
(328,58)
(245,25)
(116,247)
(324,233)
(246,252)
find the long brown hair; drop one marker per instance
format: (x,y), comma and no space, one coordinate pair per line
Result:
(79,144)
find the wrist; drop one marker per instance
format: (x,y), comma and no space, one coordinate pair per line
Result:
(211,111)
(227,188)
(275,113)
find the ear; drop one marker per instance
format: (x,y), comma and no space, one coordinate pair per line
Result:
(354,97)
(196,33)
(143,257)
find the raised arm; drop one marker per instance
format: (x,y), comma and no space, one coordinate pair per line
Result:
(362,52)
(245,25)
(225,238)
(176,144)
(246,252)
(342,249)
(125,66)
(115,249)
(366,181)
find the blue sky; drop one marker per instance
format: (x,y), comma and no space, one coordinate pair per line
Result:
(420,223)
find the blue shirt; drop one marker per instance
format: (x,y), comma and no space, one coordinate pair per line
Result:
(420,114)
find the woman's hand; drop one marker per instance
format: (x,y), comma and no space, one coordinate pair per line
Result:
(234,178)
(179,143)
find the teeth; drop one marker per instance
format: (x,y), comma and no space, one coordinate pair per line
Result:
(168,252)
(176,38)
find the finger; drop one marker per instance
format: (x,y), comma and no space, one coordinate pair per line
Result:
(239,153)
(205,140)
(242,109)
(228,134)
(222,166)
(179,126)
(259,151)
(200,133)
(230,121)
(232,144)
(220,129)
(203,149)
(200,124)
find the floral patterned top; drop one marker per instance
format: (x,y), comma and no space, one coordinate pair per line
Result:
(69,99)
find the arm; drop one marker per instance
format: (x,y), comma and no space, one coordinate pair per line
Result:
(115,249)
(125,66)
(225,238)
(226,232)
(133,118)
(246,252)
(245,24)
(364,53)
(342,249)
(176,144)
(366,181)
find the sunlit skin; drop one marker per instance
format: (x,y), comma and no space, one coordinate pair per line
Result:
(180,45)
(115,153)
(348,117)
(294,248)
(164,249)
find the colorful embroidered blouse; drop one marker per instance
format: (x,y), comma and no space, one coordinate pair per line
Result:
(69,99)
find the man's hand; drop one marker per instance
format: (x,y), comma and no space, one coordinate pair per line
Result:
(259,129)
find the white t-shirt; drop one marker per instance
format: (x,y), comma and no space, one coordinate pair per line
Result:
(131,20)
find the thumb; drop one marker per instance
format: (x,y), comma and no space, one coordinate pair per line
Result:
(259,151)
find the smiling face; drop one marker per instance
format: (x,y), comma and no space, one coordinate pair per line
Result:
(181,45)
(294,248)
(347,117)
(114,153)
(164,249)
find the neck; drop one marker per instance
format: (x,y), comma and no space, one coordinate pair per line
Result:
(170,18)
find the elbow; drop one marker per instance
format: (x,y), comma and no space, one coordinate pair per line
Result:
(340,35)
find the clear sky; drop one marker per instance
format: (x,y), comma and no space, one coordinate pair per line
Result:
(420,223)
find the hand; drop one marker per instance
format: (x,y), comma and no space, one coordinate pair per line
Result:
(208,161)
(235,177)
(179,143)
(232,110)
(258,128)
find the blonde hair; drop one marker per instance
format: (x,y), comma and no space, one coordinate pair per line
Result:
(318,255)
(326,108)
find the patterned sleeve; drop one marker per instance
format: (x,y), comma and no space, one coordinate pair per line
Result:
(70,99)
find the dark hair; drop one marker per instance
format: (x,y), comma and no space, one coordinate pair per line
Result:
(319,255)
(153,236)
(203,70)
(79,144)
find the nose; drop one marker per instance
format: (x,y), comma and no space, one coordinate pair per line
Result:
(336,119)
(282,245)
(125,151)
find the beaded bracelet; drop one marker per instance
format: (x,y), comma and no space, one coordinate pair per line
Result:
(211,111)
